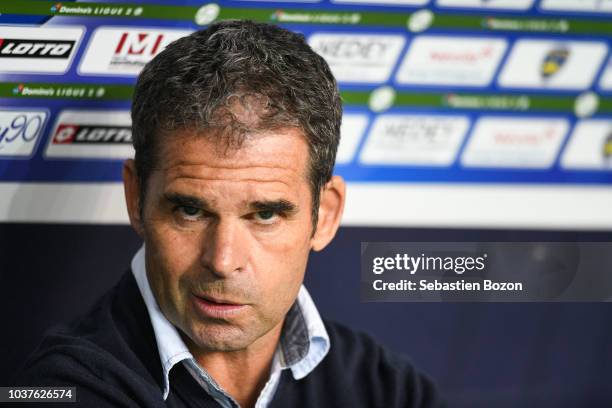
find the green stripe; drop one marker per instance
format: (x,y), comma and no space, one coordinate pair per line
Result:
(558,103)
(475,101)
(133,10)
(354,98)
(419,99)
(66,91)
(605,105)
(262,15)
(563,26)
(315,16)
(302,16)
(453,101)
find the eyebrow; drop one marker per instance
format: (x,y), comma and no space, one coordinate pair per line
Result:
(186,200)
(278,206)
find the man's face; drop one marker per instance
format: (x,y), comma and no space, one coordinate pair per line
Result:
(227,235)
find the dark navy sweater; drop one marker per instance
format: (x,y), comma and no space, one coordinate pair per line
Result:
(111,356)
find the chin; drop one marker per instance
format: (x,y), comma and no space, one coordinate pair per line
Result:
(220,338)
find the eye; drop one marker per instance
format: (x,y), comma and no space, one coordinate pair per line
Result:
(266,216)
(188,212)
(191,211)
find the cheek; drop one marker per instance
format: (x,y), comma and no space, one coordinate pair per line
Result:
(280,269)
(176,250)
(172,255)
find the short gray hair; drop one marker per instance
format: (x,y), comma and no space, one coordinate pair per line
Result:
(191,84)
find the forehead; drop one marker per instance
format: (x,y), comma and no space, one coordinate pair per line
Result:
(273,156)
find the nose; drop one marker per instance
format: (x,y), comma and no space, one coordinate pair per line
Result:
(224,249)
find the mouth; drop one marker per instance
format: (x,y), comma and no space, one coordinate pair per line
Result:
(218,300)
(214,307)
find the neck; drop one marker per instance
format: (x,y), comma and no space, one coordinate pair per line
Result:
(241,373)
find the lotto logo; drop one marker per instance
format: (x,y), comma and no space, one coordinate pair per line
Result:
(91,134)
(67,133)
(38,49)
(20,48)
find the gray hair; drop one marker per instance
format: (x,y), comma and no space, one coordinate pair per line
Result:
(195,81)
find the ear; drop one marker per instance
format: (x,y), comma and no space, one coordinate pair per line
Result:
(331,207)
(131,187)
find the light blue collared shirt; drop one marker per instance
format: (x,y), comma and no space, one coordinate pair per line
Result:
(303,344)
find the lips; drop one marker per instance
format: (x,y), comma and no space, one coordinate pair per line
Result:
(215,307)
(217,300)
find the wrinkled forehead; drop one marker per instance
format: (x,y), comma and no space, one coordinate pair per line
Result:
(277,154)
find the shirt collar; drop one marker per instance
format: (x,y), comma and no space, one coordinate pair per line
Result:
(304,341)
